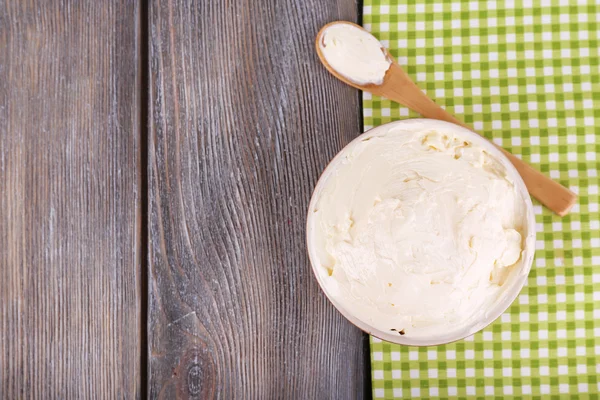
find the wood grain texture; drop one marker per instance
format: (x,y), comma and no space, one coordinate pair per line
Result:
(244,119)
(69,201)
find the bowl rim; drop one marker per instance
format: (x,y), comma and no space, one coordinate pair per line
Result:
(509,295)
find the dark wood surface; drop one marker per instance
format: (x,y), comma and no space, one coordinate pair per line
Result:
(69,200)
(156,163)
(244,120)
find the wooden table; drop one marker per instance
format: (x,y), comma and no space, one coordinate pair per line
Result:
(156,163)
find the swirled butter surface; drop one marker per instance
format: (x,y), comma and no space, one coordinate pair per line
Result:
(415,229)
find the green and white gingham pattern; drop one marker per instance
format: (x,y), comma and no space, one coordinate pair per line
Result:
(525,74)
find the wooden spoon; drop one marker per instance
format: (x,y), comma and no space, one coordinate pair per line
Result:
(397,86)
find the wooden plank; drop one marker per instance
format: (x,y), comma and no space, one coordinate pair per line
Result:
(244,120)
(69,201)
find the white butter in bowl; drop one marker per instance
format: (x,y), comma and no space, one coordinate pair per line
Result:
(421,232)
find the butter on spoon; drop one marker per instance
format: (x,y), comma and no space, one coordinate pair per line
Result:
(357,58)
(354,53)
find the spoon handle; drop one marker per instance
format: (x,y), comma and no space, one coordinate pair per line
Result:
(400,88)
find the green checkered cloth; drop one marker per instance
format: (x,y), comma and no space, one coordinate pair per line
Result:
(525,74)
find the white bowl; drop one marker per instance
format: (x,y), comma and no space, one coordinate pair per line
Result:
(514,283)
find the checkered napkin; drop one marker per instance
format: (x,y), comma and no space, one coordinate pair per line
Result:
(525,74)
